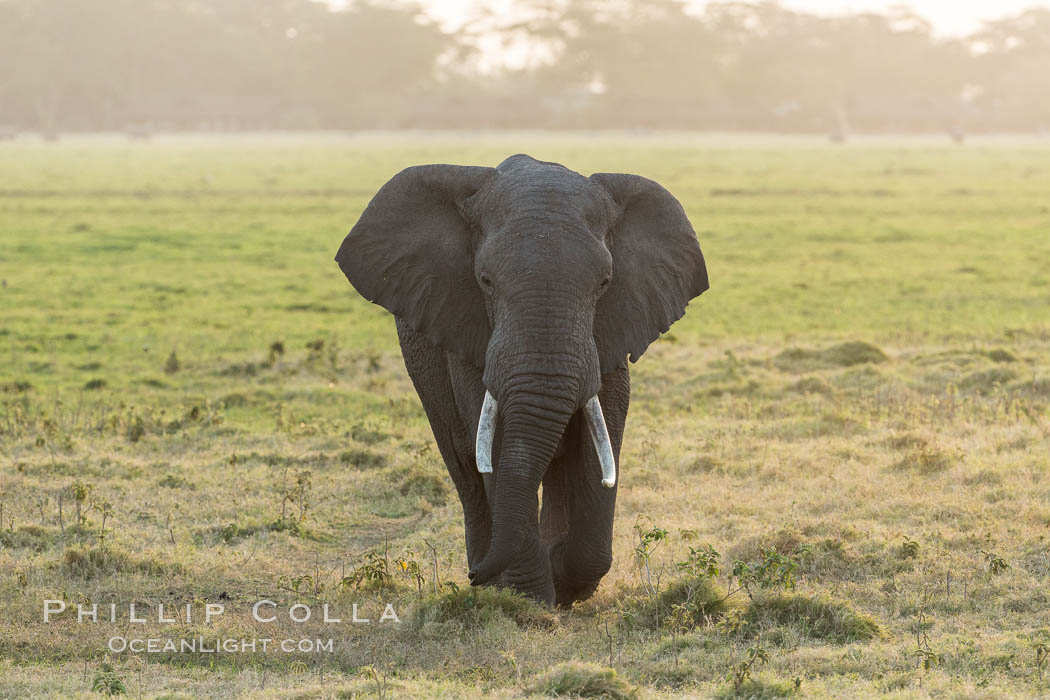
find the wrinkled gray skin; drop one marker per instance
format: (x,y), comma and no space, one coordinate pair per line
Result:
(536,283)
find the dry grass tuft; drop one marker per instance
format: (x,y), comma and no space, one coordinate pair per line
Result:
(362,459)
(97,562)
(848,354)
(905,441)
(811,385)
(706,464)
(430,487)
(811,617)
(757,688)
(827,424)
(472,609)
(1036,388)
(783,541)
(988,380)
(582,680)
(1001,355)
(926,461)
(699,601)
(31,537)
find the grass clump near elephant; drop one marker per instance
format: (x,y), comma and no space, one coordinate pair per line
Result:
(519,293)
(473,609)
(582,680)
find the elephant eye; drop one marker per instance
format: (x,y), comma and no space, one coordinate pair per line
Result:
(486,281)
(603,285)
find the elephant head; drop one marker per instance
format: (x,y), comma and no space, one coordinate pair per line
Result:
(544,279)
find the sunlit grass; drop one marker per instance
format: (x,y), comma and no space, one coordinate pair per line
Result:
(867,381)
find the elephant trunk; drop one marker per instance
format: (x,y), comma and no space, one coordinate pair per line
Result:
(533,422)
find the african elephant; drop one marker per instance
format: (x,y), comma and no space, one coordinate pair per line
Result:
(519,292)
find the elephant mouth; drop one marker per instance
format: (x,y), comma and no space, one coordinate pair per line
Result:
(592,411)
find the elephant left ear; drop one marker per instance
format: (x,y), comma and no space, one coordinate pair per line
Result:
(657,269)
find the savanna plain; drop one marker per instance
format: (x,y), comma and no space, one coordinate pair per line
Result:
(835,478)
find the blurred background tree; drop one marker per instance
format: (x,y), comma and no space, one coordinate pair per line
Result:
(143,65)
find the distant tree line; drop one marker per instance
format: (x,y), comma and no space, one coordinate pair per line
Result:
(142,65)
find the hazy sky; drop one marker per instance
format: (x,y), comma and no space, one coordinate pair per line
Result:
(949,17)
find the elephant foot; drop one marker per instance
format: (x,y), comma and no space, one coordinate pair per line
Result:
(576,573)
(530,574)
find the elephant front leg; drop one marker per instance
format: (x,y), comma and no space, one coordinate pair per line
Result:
(581,557)
(439,383)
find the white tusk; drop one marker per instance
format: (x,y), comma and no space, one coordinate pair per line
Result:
(486,430)
(600,438)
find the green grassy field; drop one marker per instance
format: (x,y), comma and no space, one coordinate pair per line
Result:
(855,417)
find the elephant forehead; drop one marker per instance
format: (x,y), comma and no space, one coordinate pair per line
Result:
(544,197)
(548,185)
(542,243)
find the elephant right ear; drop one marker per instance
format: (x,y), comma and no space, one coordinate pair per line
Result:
(412,253)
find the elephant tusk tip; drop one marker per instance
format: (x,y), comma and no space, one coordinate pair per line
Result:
(602,444)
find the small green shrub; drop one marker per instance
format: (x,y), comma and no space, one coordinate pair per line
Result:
(171,366)
(136,429)
(582,680)
(771,571)
(757,689)
(373,573)
(909,548)
(107,682)
(996,564)
(687,602)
